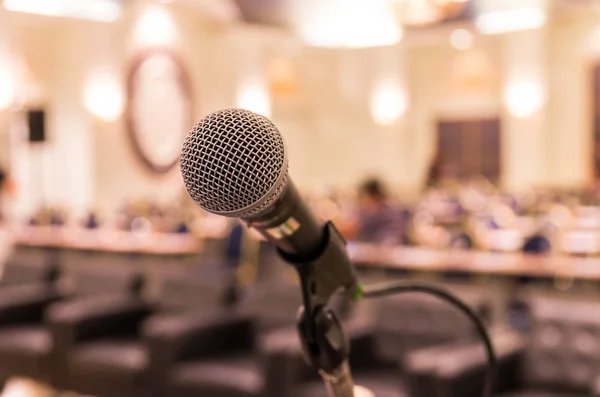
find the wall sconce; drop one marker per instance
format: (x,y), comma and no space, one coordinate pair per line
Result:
(103,96)
(254,96)
(524,98)
(461,39)
(388,102)
(155,28)
(7,86)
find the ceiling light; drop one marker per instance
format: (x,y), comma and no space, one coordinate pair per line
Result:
(502,16)
(95,10)
(511,20)
(347,23)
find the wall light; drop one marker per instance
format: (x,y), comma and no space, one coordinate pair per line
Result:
(461,39)
(524,98)
(96,10)
(155,27)
(254,96)
(388,102)
(7,87)
(103,96)
(502,16)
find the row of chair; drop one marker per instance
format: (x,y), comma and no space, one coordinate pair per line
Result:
(558,357)
(102,338)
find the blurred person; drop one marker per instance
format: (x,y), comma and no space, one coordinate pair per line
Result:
(434,173)
(441,172)
(91,221)
(378,221)
(58,217)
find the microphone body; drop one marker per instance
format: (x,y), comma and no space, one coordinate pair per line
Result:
(289,225)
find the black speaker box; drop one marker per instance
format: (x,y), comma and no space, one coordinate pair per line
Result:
(36,121)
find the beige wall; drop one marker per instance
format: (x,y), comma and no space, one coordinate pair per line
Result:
(329,130)
(118,174)
(574,51)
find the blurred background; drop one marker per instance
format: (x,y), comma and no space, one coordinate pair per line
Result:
(503,89)
(452,140)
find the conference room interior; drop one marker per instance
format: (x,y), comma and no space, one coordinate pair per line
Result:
(454,142)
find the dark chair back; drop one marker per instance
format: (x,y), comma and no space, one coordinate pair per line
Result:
(16,273)
(564,348)
(274,304)
(191,293)
(410,321)
(107,281)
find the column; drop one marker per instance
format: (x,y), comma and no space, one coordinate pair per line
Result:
(525,88)
(6,85)
(389,102)
(69,166)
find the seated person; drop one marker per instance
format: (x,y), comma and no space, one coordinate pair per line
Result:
(378,221)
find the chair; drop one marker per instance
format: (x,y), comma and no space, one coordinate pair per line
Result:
(237,366)
(559,359)
(18,272)
(404,325)
(26,344)
(104,350)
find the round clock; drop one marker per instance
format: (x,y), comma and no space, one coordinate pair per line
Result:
(159,109)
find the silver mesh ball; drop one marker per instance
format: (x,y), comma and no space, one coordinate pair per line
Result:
(234,163)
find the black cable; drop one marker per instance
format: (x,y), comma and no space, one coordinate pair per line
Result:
(394,287)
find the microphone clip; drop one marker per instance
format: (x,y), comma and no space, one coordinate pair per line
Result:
(325,347)
(328,271)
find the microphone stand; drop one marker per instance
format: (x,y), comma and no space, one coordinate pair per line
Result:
(324,344)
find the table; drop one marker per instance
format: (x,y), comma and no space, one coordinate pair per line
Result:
(474,262)
(496,273)
(113,241)
(156,255)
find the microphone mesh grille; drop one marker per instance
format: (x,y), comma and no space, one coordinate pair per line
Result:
(234,159)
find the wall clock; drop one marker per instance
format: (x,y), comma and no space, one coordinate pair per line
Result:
(159,109)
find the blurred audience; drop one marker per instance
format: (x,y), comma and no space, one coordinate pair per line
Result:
(470,214)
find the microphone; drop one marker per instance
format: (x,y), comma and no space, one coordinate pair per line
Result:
(234,163)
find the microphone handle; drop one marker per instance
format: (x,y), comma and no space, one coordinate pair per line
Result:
(341,384)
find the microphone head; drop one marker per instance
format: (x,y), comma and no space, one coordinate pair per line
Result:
(234,163)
